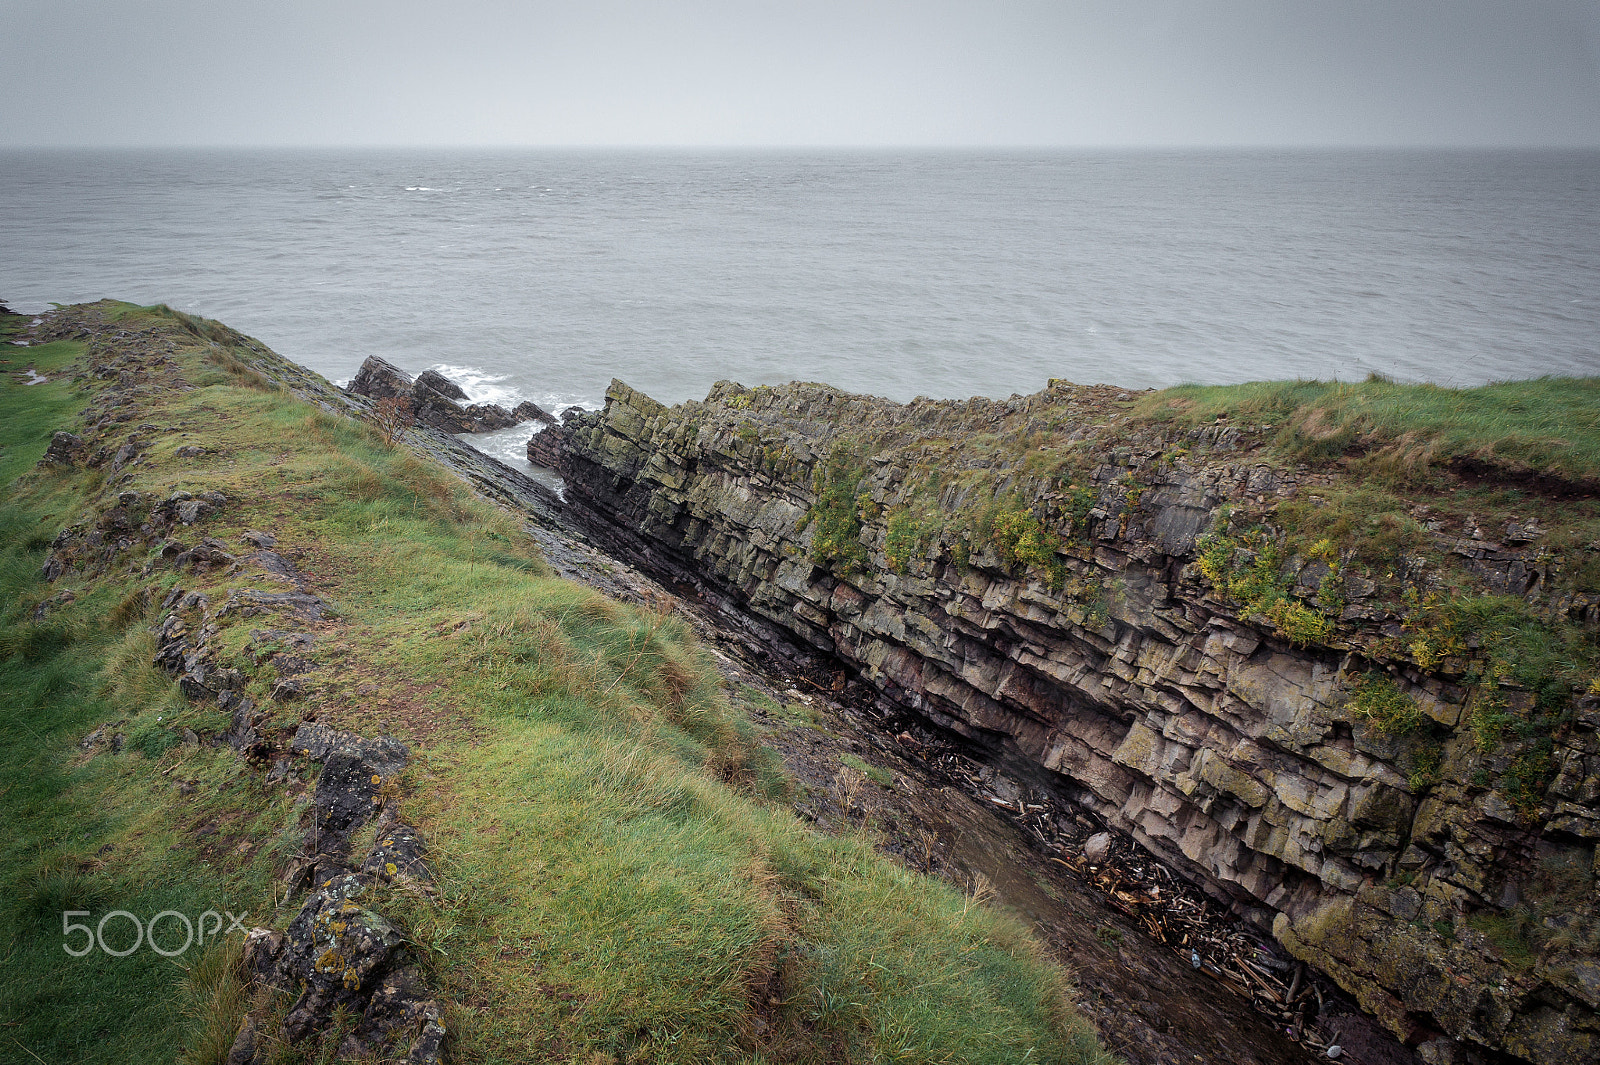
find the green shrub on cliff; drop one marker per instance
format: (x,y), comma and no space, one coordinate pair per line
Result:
(1019,537)
(836,515)
(1378,701)
(900,542)
(1250,570)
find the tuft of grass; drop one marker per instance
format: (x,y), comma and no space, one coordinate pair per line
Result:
(215,1002)
(1377,701)
(877,774)
(1367,519)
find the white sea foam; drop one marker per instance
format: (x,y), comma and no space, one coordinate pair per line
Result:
(480,385)
(486,386)
(510,446)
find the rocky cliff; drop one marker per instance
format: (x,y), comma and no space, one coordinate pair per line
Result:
(1346,689)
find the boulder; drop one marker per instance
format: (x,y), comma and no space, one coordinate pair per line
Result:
(380,379)
(545,447)
(527,411)
(338,949)
(397,854)
(66,449)
(353,775)
(438,382)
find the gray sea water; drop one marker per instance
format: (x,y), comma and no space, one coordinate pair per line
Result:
(542,275)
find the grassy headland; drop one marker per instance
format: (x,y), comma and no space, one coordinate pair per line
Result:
(617,878)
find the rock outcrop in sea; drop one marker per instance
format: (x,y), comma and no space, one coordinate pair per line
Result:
(1119,607)
(437,401)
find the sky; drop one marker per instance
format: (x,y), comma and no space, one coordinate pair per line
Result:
(980,73)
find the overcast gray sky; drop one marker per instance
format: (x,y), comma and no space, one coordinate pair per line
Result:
(800,72)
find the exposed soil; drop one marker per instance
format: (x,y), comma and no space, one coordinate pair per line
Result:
(1476,473)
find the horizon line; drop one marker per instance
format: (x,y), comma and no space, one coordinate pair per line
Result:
(822,147)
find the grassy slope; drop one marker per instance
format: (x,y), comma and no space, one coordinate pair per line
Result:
(82,836)
(1547,425)
(613,884)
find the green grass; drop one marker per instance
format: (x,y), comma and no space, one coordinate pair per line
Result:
(837,514)
(1250,569)
(34,412)
(1550,424)
(879,776)
(615,878)
(99,835)
(793,714)
(1376,700)
(656,908)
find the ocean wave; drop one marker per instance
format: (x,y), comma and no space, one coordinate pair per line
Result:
(486,386)
(481,386)
(510,446)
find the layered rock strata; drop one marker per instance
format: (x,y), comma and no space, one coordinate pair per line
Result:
(1100,655)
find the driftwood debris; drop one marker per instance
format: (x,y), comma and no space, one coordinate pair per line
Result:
(1156,900)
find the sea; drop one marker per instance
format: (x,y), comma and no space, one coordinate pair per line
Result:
(544,274)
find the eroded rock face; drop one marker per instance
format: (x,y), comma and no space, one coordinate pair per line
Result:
(380,379)
(438,382)
(1121,676)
